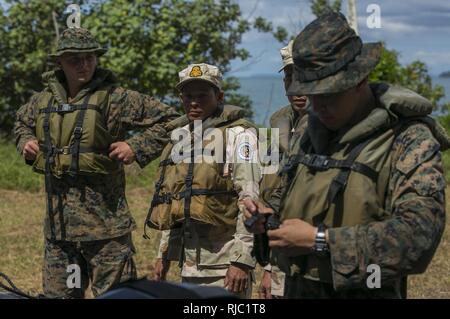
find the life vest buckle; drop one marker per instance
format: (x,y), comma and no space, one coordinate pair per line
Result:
(77,132)
(64,108)
(64,150)
(319,162)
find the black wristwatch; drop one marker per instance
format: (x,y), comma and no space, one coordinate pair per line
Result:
(321,248)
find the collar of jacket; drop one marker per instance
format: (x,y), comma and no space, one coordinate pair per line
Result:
(55,82)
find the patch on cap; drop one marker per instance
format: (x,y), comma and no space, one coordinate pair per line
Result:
(200,71)
(196,72)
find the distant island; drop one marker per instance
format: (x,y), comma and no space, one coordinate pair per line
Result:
(445,74)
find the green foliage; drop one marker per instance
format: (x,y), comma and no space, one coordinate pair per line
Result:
(26,35)
(149,43)
(413,76)
(320,7)
(445,122)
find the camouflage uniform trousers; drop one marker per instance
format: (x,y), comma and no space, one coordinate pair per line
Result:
(104,263)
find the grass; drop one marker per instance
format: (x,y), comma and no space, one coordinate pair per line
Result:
(14,173)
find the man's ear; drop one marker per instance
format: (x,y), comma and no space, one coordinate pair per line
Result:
(58,63)
(220,96)
(361,85)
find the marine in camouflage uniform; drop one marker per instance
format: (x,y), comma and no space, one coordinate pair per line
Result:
(204,232)
(286,119)
(88,221)
(364,182)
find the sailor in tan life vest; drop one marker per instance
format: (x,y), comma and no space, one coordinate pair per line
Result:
(197,203)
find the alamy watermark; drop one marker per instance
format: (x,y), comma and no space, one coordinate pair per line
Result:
(74,19)
(74,279)
(253,146)
(373,281)
(373,21)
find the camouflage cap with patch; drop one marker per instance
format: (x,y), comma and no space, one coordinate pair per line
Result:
(286,55)
(76,40)
(200,72)
(329,57)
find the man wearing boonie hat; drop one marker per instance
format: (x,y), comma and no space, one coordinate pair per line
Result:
(364,204)
(198,204)
(74,131)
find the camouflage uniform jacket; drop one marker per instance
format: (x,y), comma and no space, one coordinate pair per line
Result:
(94,207)
(213,248)
(405,243)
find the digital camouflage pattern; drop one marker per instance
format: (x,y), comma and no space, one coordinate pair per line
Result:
(90,223)
(404,244)
(77,40)
(94,207)
(108,262)
(329,57)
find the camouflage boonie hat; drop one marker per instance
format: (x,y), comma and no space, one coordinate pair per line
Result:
(286,55)
(203,72)
(76,40)
(329,57)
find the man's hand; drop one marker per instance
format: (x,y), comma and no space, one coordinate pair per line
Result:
(265,286)
(162,266)
(236,279)
(256,208)
(30,150)
(121,151)
(294,237)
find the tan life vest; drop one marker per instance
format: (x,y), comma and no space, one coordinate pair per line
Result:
(349,186)
(74,136)
(197,191)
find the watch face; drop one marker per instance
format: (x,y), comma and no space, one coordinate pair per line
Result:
(321,250)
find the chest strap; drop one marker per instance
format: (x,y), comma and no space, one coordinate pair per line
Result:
(68,108)
(337,186)
(49,161)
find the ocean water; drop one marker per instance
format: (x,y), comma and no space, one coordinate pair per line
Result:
(268,95)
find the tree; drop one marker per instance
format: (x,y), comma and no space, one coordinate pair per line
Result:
(414,76)
(26,36)
(320,7)
(149,42)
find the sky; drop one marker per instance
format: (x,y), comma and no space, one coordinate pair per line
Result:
(417,29)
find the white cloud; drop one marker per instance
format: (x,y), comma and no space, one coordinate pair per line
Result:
(417,29)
